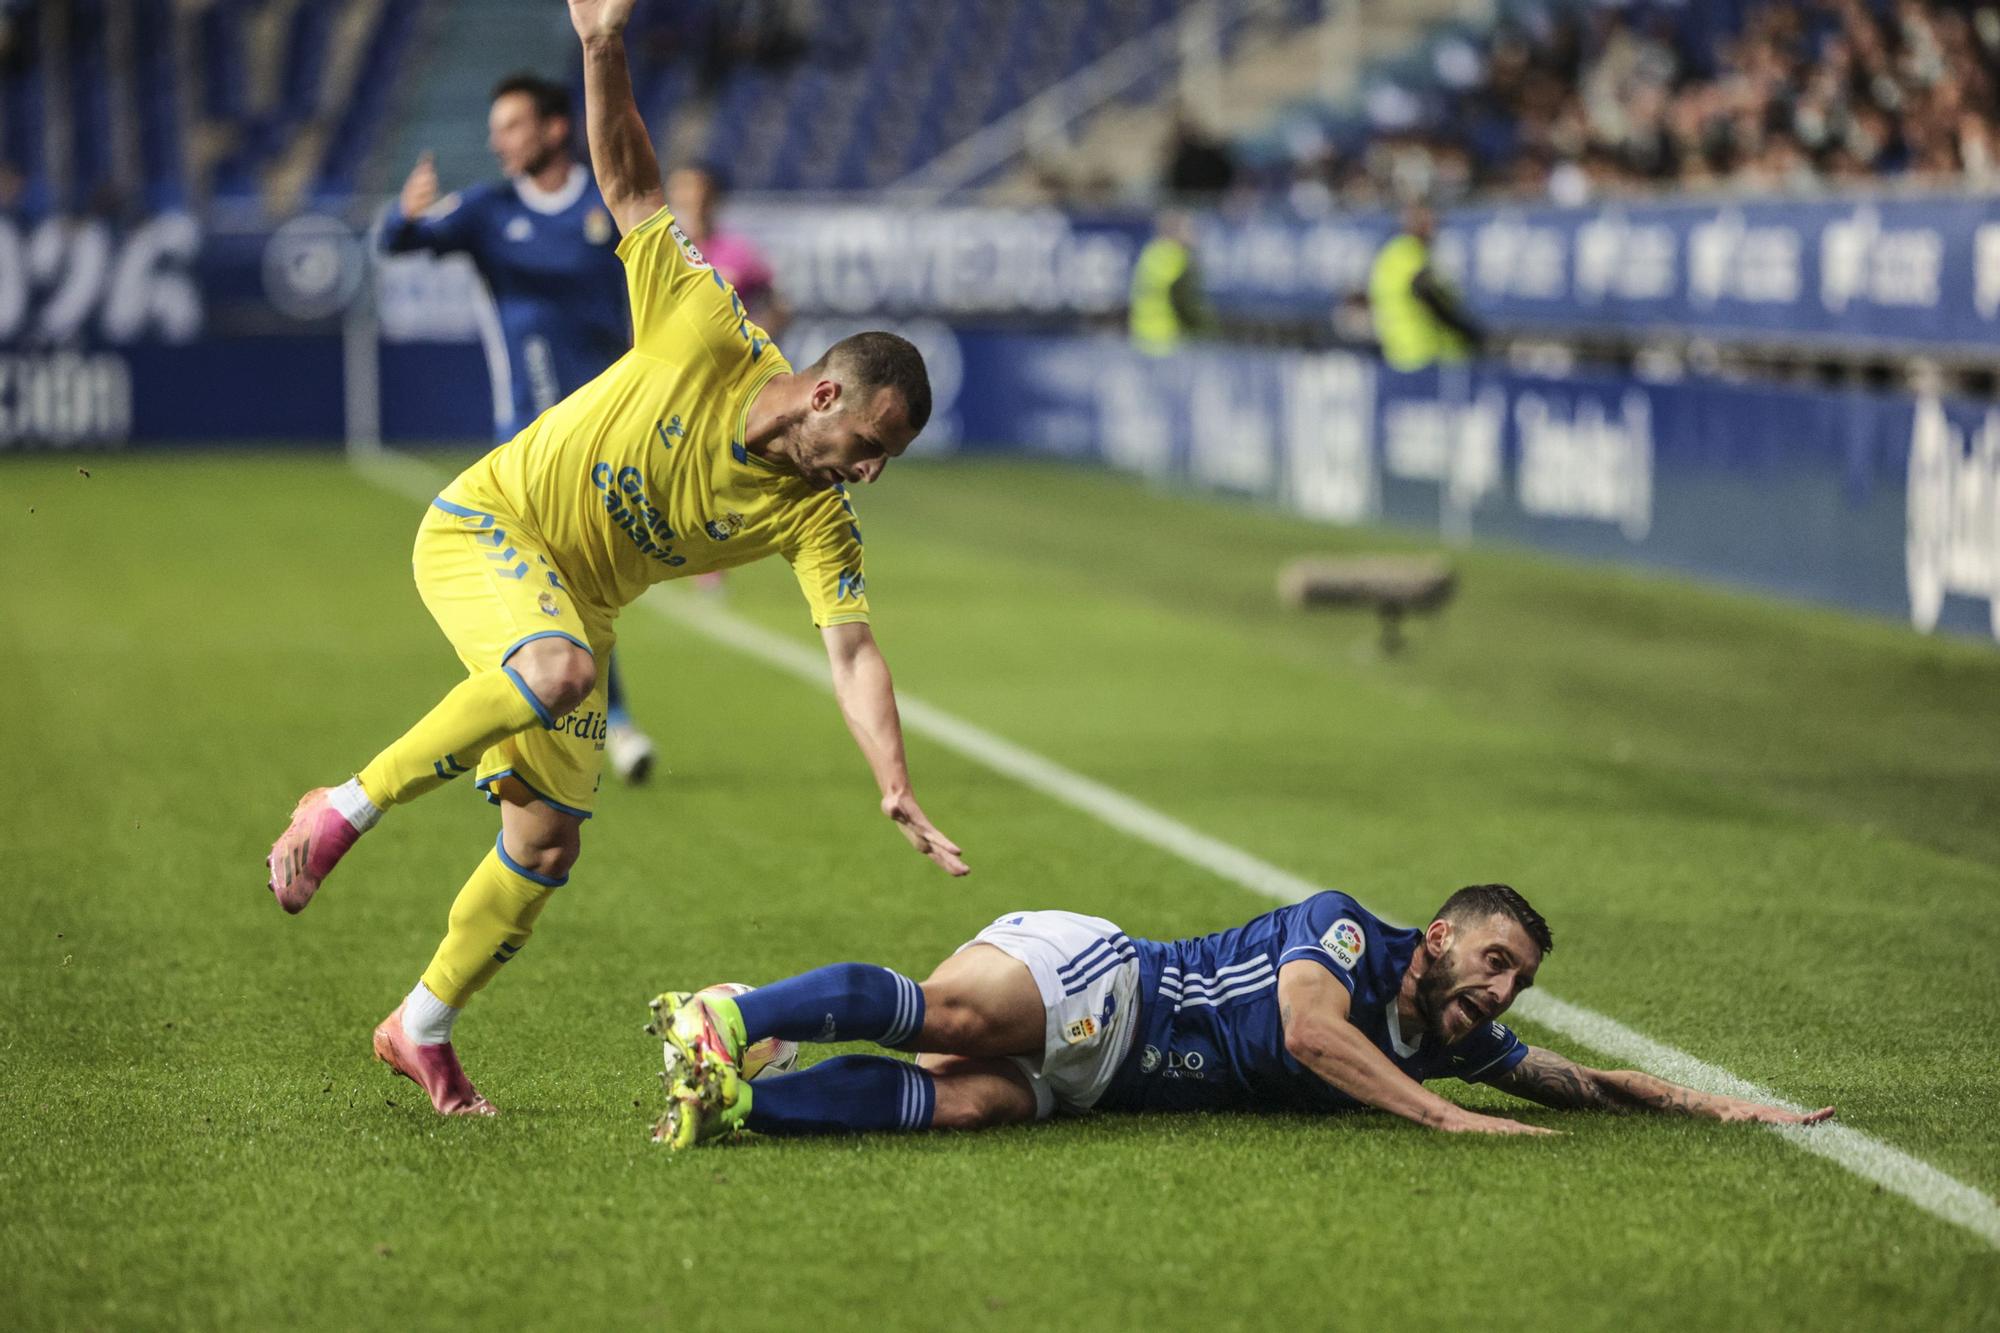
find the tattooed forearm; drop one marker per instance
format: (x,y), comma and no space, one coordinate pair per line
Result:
(1547,1078)
(1634,1091)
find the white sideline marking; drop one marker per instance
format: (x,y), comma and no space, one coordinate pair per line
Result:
(1930,1189)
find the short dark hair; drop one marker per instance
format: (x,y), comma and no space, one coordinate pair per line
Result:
(1479,902)
(884,361)
(551,99)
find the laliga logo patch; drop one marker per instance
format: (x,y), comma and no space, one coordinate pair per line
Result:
(597,226)
(547,601)
(1345,942)
(688,252)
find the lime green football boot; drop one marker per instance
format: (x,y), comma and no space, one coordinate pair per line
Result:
(702,1036)
(690,1119)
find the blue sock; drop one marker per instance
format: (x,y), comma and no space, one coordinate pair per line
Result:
(841,1002)
(849,1094)
(614,695)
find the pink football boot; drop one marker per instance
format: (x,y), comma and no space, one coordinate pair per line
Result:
(435,1069)
(308,850)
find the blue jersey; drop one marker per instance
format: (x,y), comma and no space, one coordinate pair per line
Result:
(1209,1035)
(558,315)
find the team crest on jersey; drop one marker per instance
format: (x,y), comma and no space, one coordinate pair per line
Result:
(692,255)
(1083,1029)
(722,529)
(550,607)
(520,229)
(597,226)
(1345,942)
(1149,1060)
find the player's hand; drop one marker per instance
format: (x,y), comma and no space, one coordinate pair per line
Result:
(599,18)
(1473,1123)
(420,191)
(923,835)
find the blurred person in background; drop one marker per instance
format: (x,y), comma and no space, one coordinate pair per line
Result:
(1418,318)
(1167,305)
(694,196)
(545,247)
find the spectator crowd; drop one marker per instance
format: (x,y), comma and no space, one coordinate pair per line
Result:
(1783,96)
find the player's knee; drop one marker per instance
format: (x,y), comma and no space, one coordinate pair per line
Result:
(954,1023)
(561,674)
(548,853)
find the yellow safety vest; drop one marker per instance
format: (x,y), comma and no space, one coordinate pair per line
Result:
(1411,336)
(1156,325)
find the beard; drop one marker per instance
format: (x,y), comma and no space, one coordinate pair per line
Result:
(1434,993)
(541,160)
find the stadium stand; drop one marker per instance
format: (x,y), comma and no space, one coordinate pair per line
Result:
(1571,102)
(859,96)
(166,104)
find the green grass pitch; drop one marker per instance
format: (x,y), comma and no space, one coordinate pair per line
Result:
(1767,835)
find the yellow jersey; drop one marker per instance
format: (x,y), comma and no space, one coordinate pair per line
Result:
(641,474)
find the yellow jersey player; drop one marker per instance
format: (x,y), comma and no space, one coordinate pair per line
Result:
(698,449)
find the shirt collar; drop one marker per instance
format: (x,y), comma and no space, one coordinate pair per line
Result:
(1403,1049)
(550,202)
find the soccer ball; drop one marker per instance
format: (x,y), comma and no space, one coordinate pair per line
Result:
(773,1055)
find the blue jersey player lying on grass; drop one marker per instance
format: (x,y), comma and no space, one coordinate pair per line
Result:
(1320,1006)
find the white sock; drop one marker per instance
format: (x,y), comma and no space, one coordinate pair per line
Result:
(354,805)
(427,1020)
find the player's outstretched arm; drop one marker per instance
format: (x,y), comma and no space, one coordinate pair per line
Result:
(1545,1077)
(621,152)
(867,696)
(1318,1034)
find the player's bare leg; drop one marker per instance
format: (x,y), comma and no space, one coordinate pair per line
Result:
(975,1094)
(981,1001)
(491,920)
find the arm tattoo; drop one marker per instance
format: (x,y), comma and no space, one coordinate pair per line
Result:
(1547,1078)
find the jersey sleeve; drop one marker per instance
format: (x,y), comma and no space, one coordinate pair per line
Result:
(448,226)
(1326,929)
(1488,1053)
(826,559)
(681,307)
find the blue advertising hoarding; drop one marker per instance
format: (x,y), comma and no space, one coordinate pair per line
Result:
(1877,501)
(1882,503)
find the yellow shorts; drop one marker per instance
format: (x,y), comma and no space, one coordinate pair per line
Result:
(491,590)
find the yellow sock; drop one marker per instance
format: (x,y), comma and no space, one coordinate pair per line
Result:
(480,710)
(491,919)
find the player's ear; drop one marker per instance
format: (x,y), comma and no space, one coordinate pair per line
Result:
(825,395)
(1437,938)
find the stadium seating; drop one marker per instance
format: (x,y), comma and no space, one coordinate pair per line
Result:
(259,79)
(877,88)
(1575,100)
(260,105)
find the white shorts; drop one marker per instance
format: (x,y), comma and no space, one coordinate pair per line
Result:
(1088,973)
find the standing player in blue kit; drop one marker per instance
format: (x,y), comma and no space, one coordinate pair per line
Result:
(556,314)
